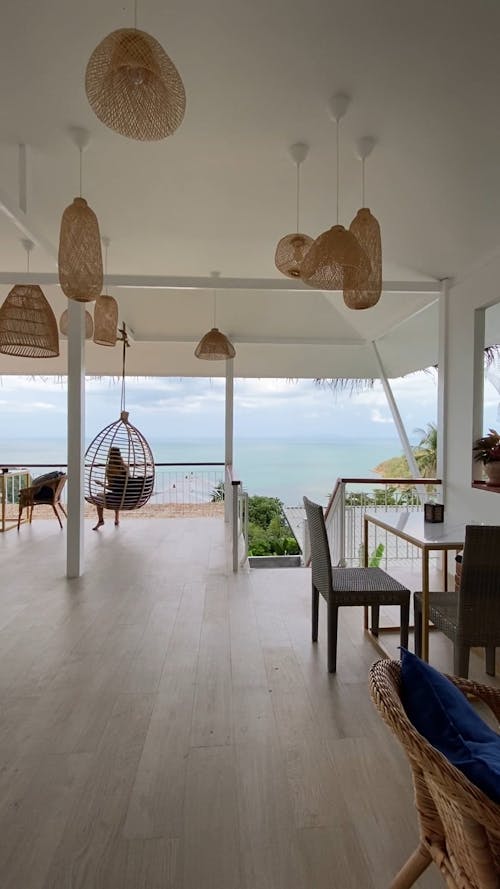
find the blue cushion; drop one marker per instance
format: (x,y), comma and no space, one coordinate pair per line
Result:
(443,715)
(46,477)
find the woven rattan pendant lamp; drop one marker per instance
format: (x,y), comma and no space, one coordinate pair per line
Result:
(121,443)
(134,87)
(335,260)
(28,327)
(292,249)
(80,257)
(64,324)
(366,230)
(215,346)
(105,311)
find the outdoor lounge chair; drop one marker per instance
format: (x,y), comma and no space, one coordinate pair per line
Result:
(471,616)
(459,824)
(45,490)
(348,586)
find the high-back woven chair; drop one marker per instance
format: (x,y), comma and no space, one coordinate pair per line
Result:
(471,616)
(44,491)
(459,824)
(347,586)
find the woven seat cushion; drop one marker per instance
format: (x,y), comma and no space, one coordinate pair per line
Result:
(442,611)
(46,477)
(373,585)
(444,716)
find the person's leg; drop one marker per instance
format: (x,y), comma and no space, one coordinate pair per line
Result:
(117,516)
(100,517)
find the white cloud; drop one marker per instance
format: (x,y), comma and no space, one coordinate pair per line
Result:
(377,417)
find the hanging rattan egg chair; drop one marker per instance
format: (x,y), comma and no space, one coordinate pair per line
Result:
(119,464)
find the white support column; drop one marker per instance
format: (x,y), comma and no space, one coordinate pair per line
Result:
(478,382)
(76,436)
(443,381)
(396,416)
(229,424)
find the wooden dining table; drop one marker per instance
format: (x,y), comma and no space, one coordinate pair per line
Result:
(429,537)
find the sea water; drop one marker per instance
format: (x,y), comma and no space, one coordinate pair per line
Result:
(277,467)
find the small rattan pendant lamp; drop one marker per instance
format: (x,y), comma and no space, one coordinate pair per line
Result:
(366,230)
(336,261)
(119,463)
(105,311)
(292,249)
(80,257)
(64,324)
(215,346)
(28,327)
(133,86)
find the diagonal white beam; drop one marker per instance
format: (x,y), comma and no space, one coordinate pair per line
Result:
(29,229)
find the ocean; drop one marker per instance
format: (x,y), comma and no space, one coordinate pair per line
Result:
(273,467)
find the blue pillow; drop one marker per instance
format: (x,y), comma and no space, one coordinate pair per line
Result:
(443,715)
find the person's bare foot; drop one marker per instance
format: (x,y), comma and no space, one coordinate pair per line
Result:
(117,521)
(96,527)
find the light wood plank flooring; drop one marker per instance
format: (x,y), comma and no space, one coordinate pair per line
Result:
(168,725)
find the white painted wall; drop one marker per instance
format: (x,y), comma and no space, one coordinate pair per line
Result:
(462,501)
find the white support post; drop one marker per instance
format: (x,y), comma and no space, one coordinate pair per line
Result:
(396,416)
(443,374)
(229,423)
(478,382)
(76,436)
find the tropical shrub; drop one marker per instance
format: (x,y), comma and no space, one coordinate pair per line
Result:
(269,533)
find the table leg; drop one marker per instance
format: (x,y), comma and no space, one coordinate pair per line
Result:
(3,496)
(425,605)
(445,570)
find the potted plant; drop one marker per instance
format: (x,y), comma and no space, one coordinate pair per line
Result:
(487,450)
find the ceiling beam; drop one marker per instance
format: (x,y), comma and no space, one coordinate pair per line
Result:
(28,229)
(168,282)
(258,340)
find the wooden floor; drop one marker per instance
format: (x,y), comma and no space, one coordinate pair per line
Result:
(167,725)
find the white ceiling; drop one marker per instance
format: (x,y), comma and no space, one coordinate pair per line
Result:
(219,194)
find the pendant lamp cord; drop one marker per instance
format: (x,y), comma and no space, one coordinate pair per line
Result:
(215,307)
(298,196)
(362,182)
(135,14)
(338,169)
(81,170)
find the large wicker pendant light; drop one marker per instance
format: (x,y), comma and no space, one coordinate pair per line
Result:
(105,312)
(336,260)
(64,324)
(215,346)
(80,257)
(366,230)
(292,249)
(28,327)
(134,87)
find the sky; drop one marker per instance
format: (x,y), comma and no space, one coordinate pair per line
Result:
(193,408)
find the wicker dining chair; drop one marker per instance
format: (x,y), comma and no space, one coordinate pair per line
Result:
(348,586)
(459,824)
(46,490)
(471,616)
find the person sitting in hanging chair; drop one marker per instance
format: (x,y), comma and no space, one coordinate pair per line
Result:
(117,473)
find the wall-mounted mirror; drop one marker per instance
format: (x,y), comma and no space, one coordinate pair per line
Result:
(486,378)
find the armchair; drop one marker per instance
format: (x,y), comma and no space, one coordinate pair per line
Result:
(45,490)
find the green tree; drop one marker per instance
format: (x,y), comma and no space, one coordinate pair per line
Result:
(426,451)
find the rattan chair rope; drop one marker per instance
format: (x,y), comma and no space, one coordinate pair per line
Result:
(459,824)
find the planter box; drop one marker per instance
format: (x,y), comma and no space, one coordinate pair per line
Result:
(275,561)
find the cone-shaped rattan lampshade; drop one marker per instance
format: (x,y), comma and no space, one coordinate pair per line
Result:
(105,320)
(80,257)
(290,254)
(28,328)
(64,324)
(335,261)
(214,346)
(133,86)
(366,230)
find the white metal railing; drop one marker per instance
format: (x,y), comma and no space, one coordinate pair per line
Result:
(346,509)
